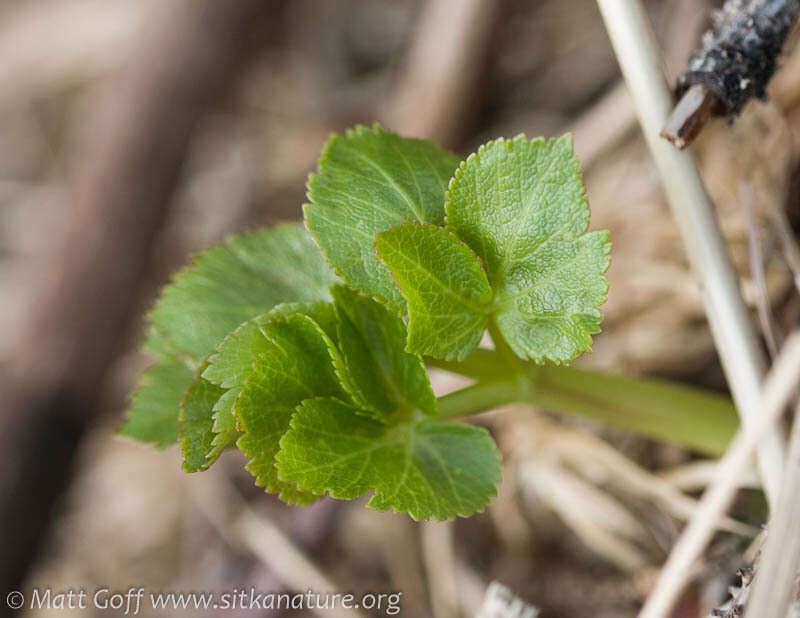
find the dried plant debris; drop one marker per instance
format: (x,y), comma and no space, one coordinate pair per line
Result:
(739,55)
(500,602)
(734,607)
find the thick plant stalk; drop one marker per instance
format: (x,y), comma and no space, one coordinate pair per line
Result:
(778,389)
(733,332)
(702,421)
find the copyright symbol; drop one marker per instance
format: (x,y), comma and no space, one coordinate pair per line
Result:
(15,599)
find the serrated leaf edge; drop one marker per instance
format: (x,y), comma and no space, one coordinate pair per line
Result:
(182,439)
(489,307)
(372,492)
(268,486)
(517,139)
(191,264)
(358,130)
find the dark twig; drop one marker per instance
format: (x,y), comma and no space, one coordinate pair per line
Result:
(690,116)
(736,61)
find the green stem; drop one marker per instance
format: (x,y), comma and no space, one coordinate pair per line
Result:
(659,409)
(477,398)
(512,362)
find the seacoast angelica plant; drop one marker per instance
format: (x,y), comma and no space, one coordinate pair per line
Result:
(306,347)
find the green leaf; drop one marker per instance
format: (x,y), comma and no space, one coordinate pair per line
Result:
(153,413)
(224,287)
(156,345)
(428,469)
(224,424)
(196,433)
(232,283)
(380,375)
(297,365)
(521,206)
(368,181)
(448,294)
(233,359)
(322,312)
(232,363)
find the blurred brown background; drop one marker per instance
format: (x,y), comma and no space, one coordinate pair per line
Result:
(135,133)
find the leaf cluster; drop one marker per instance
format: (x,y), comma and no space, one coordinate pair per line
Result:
(306,351)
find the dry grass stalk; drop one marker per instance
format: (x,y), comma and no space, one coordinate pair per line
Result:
(776,580)
(778,388)
(597,491)
(440,561)
(769,328)
(438,91)
(734,335)
(239,525)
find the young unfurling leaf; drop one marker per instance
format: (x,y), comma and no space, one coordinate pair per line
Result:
(448,294)
(197,435)
(233,362)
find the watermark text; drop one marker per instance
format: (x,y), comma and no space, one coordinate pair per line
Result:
(135,599)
